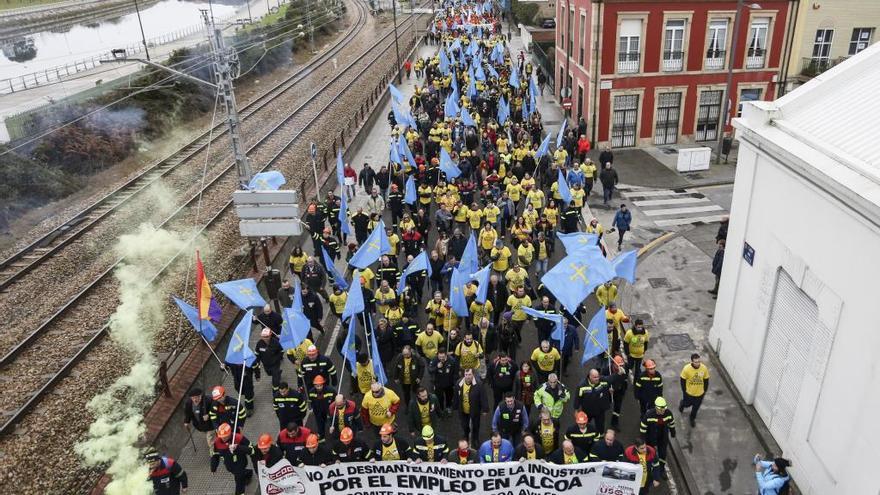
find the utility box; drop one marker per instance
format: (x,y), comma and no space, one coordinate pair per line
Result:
(693,159)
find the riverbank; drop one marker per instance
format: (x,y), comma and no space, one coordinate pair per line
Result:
(22,22)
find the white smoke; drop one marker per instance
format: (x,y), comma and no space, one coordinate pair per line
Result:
(118,411)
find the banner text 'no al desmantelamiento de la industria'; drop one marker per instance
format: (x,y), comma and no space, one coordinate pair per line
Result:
(407,478)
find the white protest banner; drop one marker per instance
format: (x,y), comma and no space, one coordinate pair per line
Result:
(281,478)
(507,478)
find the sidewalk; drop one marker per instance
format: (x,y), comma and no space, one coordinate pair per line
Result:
(670,295)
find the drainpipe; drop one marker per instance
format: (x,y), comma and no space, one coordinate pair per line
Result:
(794,11)
(597,11)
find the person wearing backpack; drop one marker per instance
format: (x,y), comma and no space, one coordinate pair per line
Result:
(772,476)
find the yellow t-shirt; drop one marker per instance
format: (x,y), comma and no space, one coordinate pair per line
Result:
(636,342)
(475,217)
(514,191)
(379,407)
(552,215)
(693,379)
(501,264)
(487,238)
(480,311)
(384,300)
(298,262)
(462,214)
(532,455)
(407,376)
(491,213)
(365,376)
(466,399)
(546,360)
(547,434)
(429,344)
(468,355)
(424,413)
(525,253)
(368,275)
(516,304)
(515,279)
(390,452)
(542,250)
(338,302)
(569,459)
(393,241)
(643,461)
(536,198)
(577,197)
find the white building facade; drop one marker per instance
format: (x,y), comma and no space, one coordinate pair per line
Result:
(796,323)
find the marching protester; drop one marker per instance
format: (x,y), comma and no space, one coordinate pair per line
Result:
(436,301)
(168,476)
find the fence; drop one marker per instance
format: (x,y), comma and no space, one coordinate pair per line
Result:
(547,65)
(57,74)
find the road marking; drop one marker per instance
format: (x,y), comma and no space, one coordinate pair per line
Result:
(663,192)
(676,201)
(683,221)
(627,187)
(680,211)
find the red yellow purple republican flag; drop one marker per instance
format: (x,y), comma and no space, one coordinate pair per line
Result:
(208,307)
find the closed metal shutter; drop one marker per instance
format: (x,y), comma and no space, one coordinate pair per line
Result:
(792,328)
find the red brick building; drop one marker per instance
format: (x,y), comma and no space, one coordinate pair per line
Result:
(662,65)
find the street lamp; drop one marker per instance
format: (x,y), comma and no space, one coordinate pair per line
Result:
(728,99)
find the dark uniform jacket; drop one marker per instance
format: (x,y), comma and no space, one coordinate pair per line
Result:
(321,455)
(168,478)
(582,439)
(234,461)
(657,427)
(355,451)
(420,449)
(593,399)
(198,415)
(402,450)
(291,407)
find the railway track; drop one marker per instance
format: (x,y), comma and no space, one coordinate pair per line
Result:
(31,256)
(71,324)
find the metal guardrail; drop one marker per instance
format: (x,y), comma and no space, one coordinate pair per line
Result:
(547,65)
(58,73)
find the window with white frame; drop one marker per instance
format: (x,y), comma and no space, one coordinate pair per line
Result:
(748,94)
(582,39)
(861,38)
(822,45)
(673,49)
(629,46)
(717,45)
(757,43)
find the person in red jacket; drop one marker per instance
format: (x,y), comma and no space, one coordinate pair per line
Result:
(407,67)
(235,450)
(583,147)
(351,179)
(644,454)
(343,413)
(292,440)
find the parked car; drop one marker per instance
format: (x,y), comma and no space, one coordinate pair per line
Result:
(549,23)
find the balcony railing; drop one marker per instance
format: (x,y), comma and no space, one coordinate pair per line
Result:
(755,58)
(673,61)
(812,67)
(628,62)
(714,59)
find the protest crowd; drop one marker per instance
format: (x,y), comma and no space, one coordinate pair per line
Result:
(450,265)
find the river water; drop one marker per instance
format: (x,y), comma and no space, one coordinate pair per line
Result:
(49,49)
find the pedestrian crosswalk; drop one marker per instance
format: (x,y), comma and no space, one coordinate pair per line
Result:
(673,207)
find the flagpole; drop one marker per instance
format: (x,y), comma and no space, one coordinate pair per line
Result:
(222,365)
(238,403)
(607,352)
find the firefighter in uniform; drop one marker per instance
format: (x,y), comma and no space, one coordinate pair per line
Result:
(321,396)
(594,398)
(235,451)
(292,440)
(316,364)
(657,426)
(390,447)
(582,434)
(247,384)
(649,385)
(430,447)
(223,408)
(349,448)
(267,452)
(290,405)
(315,453)
(166,474)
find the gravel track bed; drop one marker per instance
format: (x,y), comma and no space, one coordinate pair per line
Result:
(61,419)
(63,275)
